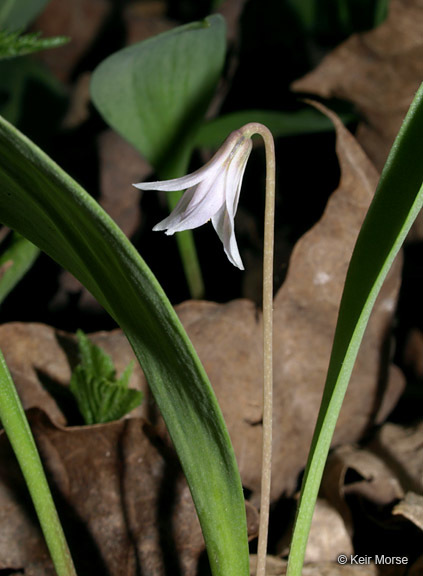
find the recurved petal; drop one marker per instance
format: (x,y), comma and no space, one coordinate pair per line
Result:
(224,220)
(225,230)
(176,184)
(208,171)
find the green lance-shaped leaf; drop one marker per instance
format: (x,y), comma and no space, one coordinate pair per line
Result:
(396,204)
(42,202)
(155,94)
(15,262)
(15,423)
(281,124)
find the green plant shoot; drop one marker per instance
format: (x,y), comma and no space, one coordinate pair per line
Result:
(101,397)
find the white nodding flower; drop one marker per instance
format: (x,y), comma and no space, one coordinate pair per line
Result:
(212,193)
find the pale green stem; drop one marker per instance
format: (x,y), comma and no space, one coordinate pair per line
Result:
(188,254)
(268,250)
(18,431)
(175,168)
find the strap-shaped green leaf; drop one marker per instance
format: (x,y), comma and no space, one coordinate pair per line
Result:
(44,204)
(15,424)
(395,206)
(15,262)
(281,124)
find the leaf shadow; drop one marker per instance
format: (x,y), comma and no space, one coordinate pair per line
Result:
(166,500)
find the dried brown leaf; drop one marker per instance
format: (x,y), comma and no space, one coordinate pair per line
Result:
(402,449)
(411,507)
(145,19)
(413,353)
(120,164)
(228,340)
(79,102)
(384,71)
(328,536)
(21,542)
(306,310)
(121,495)
(373,479)
(277,567)
(41,359)
(80,20)
(417,568)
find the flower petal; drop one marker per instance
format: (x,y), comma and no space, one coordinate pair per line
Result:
(177,183)
(212,193)
(207,171)
(225,230)
(196,207)
(235,175)
(179,209)
(223,222)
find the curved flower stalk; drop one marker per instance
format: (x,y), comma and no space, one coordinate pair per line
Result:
(213,194)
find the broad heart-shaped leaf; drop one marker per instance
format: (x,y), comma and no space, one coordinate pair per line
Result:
(42,202)
(155,93)
(396,204)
